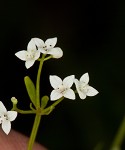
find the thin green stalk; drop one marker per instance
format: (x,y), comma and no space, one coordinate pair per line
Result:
(119,136)
(25,111)
(38,81)
(47,58)
(52,106)
(57,102)
(34,131)
(38,116)
(32,111)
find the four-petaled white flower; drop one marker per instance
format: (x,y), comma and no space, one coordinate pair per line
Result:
(6,117)
(62,88)
(83,87)
(30,55)
(48,47)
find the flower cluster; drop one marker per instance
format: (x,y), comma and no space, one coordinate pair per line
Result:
(63,88)
(37,46)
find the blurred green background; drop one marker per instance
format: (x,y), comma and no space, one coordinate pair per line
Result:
(91,34)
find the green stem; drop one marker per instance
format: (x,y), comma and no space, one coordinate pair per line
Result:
(119,136)
(33,111)
(25,111)
(38,81)
(53,105)
(34,131)
(47,58)
(38,116)
(57,102)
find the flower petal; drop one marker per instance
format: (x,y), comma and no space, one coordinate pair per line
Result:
(92,91)
(69,93)
(12,115)
(51,42)
(56,52)
(29,63)
(55,95)
(82,95)
(68,81)
(6,126)
(1,120)
(2,108)
(77,83)
(31,45)
(22,55)
(85,78)
(37,55)
(42,50)
(55,81)
(38,42)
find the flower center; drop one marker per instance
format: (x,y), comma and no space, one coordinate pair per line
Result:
(30,55)
(83,87)
(5,117)
(47,47)
(62,89)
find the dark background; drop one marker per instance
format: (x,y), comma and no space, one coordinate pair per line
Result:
(91,34)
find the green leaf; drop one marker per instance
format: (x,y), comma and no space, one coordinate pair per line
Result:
(30,89)
(44,101)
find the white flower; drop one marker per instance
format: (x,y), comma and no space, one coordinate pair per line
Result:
(6,117)
(83,87)
(30,55)
(48,47)
(62,88)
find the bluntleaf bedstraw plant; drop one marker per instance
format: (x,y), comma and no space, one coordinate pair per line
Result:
(38,50)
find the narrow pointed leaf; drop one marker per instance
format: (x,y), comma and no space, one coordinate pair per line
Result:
(30,89)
